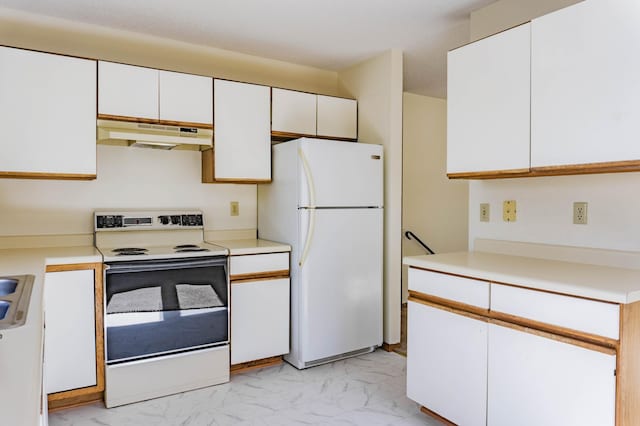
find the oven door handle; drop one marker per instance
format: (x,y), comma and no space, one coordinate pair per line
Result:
(163,265)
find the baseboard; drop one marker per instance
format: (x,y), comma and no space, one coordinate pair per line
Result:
(75,401)
(390,347)
(254,365)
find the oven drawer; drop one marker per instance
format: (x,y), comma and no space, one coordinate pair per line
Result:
(585,315)
(258,265)
(150,378)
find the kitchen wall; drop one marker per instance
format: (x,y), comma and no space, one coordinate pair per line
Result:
(127,178)
(30,31)
(545,205)
(503,14)
(433,207)
(377,84)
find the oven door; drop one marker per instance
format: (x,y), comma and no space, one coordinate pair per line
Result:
(158,307)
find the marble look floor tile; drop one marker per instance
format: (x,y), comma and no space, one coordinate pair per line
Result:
(365,390)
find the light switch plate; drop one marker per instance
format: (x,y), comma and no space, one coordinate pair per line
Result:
(509,210)
(484,212)
(234,208)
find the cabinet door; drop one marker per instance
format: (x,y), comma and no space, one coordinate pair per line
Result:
(488,105)
(242,140)
(534,380)
(585,91)
(259,319)
(293,112)
(47,113)
(447,363)
(70,334)
(186,98)
(127,90)
(337,117)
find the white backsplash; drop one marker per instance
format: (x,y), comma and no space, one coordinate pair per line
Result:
(129,178)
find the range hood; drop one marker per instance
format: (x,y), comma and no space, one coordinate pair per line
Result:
(157,136)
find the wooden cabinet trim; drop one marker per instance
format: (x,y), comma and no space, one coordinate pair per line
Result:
(436,416)
(561,170)
(552,336)
(258,276)
(449,306)
(488,314)
(154,121)
(554,329)
(259,363)
(88,394)
(490,174)
(627,384)
(44,175)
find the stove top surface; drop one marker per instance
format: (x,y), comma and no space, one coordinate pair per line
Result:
(120,254)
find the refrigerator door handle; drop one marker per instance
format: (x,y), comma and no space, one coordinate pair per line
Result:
(309,176)
(307,243)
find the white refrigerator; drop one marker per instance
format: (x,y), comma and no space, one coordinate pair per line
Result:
(326,201)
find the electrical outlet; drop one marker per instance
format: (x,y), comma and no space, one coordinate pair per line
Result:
(484,212)
(580,213)
(509,210)
(234,208)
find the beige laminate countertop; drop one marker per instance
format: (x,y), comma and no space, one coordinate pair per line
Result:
(252,246)
(611,284)
(21,348)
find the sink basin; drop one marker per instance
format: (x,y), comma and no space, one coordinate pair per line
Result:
(7,286)
(15,294)
(4,308)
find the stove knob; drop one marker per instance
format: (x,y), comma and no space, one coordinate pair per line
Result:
(164,220)
(175,220)
(199,220)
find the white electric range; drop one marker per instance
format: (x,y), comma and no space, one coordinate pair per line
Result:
(166,304)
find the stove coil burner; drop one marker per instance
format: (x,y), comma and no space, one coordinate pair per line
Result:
(185,246)
(129,249)
(191,249)
(131,253)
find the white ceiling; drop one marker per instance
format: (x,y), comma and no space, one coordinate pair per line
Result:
(328,34)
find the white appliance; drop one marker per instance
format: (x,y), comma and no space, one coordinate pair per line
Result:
(326,201)
(166,295)
(158,136)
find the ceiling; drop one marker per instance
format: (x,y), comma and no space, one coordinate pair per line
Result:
(327,34)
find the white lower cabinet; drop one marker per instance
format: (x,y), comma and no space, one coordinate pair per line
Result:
(259,319)
(70,330)
(447,363)
(534,380)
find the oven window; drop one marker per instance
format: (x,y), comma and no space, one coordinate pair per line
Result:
(159,307)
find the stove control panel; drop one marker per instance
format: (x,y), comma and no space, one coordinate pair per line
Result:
(148,220)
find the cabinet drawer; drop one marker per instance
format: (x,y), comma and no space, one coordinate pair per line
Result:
(458,289)
(258,265)
(588,316)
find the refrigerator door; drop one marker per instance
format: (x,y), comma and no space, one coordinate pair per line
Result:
(339,174)
(340,282)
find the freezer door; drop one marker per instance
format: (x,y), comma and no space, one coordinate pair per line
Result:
(339,174)
(340,279)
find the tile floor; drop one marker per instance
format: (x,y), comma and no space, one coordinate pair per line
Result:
(366,390)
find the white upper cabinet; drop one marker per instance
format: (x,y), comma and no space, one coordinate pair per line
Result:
(337,117)
(585,85)
(136,92)
(293,112)
(127,91)
(47,115)
(488,103)
(186,98)
(242,141)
